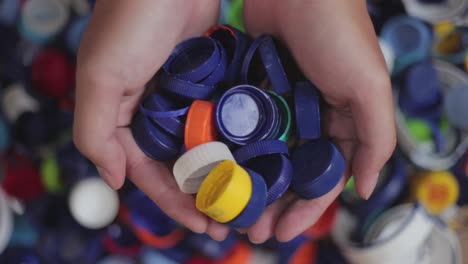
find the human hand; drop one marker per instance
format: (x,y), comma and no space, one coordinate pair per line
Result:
(335,46)
(125,44)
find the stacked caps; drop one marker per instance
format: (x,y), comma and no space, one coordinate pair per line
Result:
(223,111)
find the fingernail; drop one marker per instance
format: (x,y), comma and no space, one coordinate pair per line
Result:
(107,177)
(369,187)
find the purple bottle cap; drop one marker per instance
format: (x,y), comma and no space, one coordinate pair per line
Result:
(256,204)
(277,170)
(260,148)
(165,113)
(245,114)
(235,43)
(154,141)
(318,167)
(307,107)
(185,89)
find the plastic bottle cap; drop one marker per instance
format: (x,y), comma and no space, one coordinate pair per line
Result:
(225,192)
(93,203)
(455,106)
(245,114)
(52,74)
(235,44)
(436,12)
(285,117)
(9,11)
(318,167)
(274,66)
(155,142)
(16,101)
(241,253)
(307,106)
(409,38)
(200,125)
(437,191)
(6,221)
(41,20)
(192,167)
(21,178)
(256,204)
(166,113)
(259,149)
(116,260)
(277,170)
(395,236)
(51,175)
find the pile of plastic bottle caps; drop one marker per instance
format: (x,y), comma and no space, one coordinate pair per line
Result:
(417,214)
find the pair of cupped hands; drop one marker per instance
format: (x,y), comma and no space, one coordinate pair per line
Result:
(334,44)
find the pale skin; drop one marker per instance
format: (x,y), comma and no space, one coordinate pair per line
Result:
(334,44)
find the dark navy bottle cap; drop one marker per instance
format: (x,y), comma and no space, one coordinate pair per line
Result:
(318,167)
(120,240)
(307,107)
(165,113)
(277,170)
(235,44)
(260,148)
(153,140)
(274,66)
(421,95)
(205,245)
(185,89)
(245,114)
(409,38)
(256,204)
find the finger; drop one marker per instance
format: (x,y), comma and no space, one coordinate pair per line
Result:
(111,74)
(358,79)
(154,179)
(338,123)
(264,228)
(302,214)
(217,231)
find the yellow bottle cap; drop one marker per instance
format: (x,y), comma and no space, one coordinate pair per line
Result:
(437,191)
(225,192)
(443,28)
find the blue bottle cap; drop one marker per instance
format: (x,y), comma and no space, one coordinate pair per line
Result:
(23,255)
(32,129)
(235,43)
(165,113)
(421,95)
(386,193)
(245,114)
(145,214)
(11,64)
(318,167)
(256,204)
(9,11)
(274,66)
(153,140)
(410,39)
(252,71)
(277,170)
(194,68)
(287,250)
(120,240)
(206,246)
(260,148)
(307,107)
(194,59)
(75,33)
(456,106)
(118,260)
(4,135)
